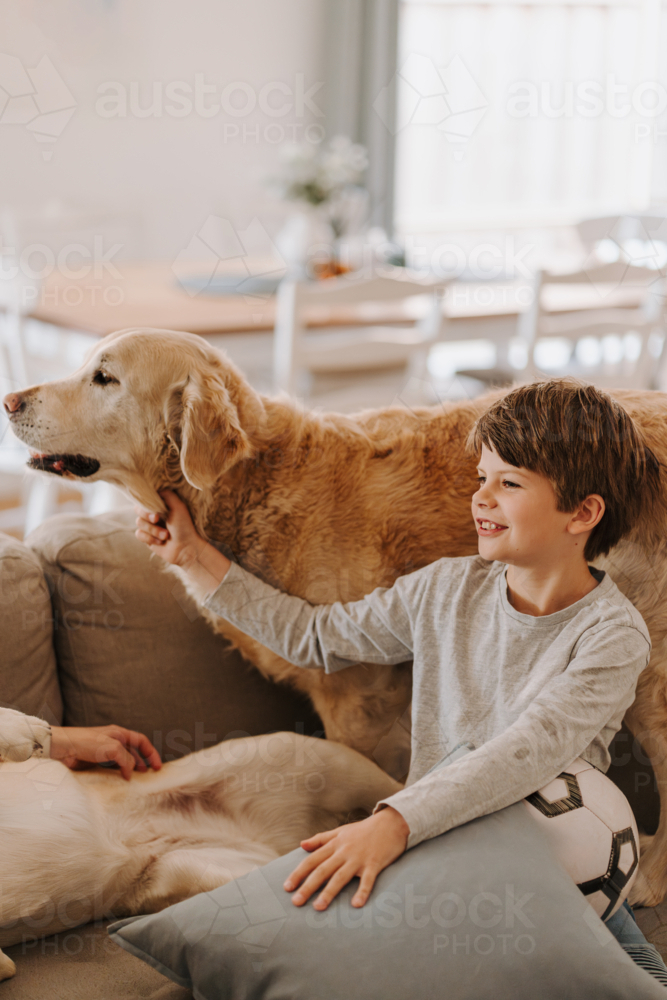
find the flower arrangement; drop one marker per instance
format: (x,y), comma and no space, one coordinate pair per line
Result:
(325,180)
(317,175)
(326,177)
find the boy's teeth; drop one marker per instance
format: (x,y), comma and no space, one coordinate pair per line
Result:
(489,525)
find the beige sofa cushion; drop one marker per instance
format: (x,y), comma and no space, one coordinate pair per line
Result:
(28,679)
(133,649)
(83,964)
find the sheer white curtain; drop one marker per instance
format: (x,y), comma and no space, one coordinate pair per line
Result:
(527,114)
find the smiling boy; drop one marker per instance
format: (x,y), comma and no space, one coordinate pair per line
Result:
(523,651)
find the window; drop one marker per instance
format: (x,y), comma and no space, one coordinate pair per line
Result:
(529,114)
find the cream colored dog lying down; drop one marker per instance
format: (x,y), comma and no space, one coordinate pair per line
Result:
(326,506)
(77,846)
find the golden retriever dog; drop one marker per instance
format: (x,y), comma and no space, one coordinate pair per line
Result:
(80,846)
(325,506)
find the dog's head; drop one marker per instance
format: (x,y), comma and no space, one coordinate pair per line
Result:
(146,410)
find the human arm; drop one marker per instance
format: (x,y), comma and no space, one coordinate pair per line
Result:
(80,747)
(557,726)
(330,636)
(24,736)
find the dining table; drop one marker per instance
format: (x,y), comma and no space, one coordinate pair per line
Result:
(131,294)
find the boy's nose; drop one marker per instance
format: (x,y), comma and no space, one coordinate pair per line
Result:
(483,498)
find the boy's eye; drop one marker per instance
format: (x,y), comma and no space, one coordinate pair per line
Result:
(507,482)
(480,479)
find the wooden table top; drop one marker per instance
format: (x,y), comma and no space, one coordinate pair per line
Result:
(149,295)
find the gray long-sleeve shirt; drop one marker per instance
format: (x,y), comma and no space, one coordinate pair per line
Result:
(530,694)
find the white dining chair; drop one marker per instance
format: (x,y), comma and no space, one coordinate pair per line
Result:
(622,303)
(300,352)
(635,238)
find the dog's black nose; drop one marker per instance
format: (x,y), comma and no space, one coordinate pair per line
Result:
(13,403)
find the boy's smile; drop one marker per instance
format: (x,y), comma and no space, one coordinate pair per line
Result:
(489,528)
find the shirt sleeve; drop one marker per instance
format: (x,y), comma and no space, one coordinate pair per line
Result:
(376,629)
(558,726)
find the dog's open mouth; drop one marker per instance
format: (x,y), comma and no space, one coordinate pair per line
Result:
(64,465)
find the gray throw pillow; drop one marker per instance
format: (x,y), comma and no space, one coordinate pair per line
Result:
(483,911)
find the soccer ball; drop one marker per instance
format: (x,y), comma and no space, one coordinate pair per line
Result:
(591,829)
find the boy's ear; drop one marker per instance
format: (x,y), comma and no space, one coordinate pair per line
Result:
(588,515)
(211,437)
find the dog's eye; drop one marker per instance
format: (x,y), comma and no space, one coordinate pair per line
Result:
(101,378)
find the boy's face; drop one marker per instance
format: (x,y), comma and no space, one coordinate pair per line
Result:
(515,514)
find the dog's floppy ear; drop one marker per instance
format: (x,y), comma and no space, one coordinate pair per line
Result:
(212,439)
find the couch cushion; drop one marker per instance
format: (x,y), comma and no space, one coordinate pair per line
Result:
(28,679)
(82,964)
(133,649)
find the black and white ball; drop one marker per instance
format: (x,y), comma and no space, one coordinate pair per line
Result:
(590,826)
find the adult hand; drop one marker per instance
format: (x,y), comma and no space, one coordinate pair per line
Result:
(174,539)
(80,747)
(359,849)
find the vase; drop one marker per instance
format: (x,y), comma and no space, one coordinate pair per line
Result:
(305,242)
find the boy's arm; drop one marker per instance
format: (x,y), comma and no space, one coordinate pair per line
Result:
(330,636)
(566,716)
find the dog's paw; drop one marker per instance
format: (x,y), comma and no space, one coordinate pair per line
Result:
(23,736)
(7,967)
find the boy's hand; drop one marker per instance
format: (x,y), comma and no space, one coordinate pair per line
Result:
(177,541)
(362,849)
(80,747)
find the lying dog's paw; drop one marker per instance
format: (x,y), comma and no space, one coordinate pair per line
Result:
(23,736)
(7,967)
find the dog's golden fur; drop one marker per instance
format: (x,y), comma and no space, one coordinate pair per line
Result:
(325,506)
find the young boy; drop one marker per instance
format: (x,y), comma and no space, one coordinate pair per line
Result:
(523,650)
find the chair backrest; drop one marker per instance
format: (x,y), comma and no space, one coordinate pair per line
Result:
(621,228)
(639,239)
(614,273)
(294,297)
(646,317)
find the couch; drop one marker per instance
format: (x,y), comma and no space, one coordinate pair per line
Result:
(93,630)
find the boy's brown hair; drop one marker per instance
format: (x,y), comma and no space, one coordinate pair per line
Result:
(583,442)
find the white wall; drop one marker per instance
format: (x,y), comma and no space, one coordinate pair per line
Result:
(161,176)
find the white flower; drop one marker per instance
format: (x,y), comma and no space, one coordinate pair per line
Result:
(319,174)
